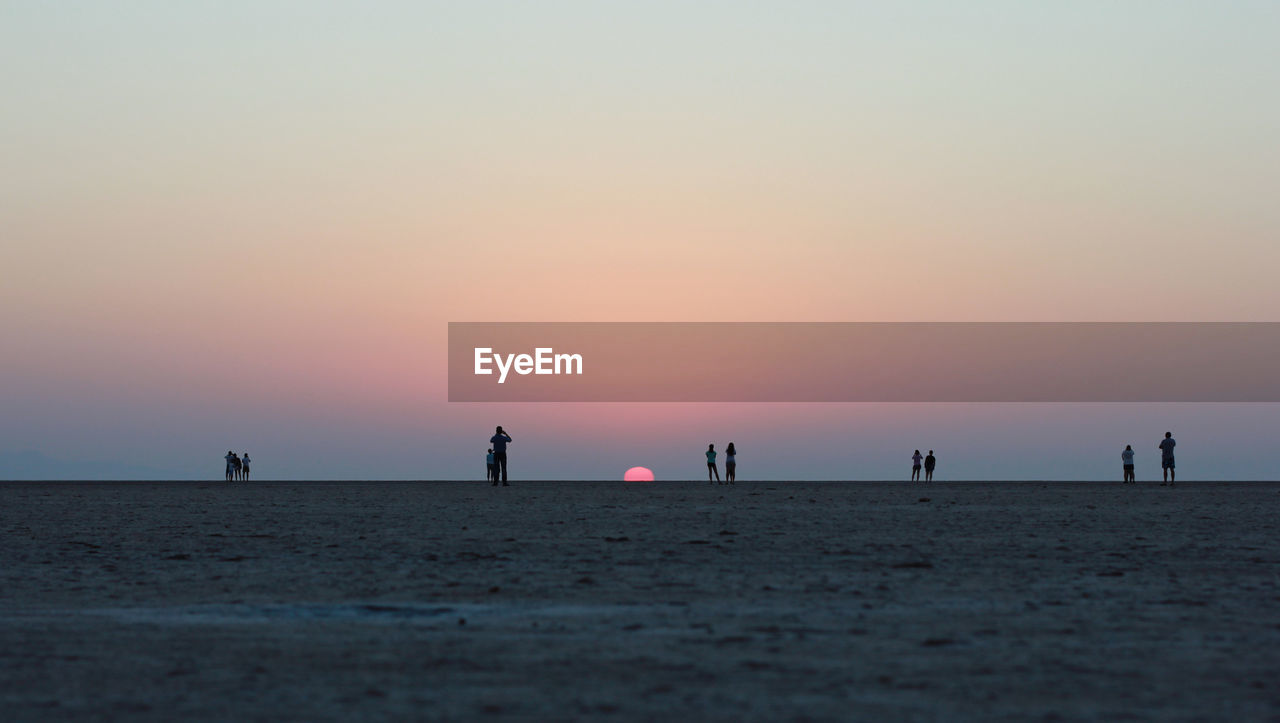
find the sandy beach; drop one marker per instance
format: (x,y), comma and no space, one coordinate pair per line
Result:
(778,600)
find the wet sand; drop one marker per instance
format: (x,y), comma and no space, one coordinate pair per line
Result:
(317,601)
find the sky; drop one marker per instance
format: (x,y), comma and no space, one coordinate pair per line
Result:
(247,225)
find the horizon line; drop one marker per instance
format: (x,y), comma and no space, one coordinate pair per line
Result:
(482,483)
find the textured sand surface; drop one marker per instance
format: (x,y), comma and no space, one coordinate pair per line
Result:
(165,601)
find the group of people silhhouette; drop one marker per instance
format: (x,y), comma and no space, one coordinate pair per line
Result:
(496,462)
(1166,461)
(237,466)
(929,463)
(730,464)
(1126,457)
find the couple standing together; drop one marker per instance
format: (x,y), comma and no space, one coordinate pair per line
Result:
(730,464)
(929,463)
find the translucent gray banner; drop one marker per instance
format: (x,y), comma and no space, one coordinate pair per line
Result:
(863,362)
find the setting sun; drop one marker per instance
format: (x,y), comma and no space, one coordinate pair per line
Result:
(638,474)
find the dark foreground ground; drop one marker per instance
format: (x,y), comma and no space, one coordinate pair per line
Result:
(269,601)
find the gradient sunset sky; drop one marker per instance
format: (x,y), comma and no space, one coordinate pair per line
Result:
(246,225)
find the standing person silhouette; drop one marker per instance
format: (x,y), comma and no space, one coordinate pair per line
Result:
(231,467)
(500,440)
(1127,458)
(730,463)
(237,464)
(244,466)
(929,463)
(711,464)
(1166,458)
(488,463)
(915,466)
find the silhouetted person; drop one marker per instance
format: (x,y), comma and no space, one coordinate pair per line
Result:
(1166,458)
(915,466)
(488,462)
(244,466)
(730,463)
(237,464)
(231,467)
(711,464)
(929,463)
(499,442)
(1127,457)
